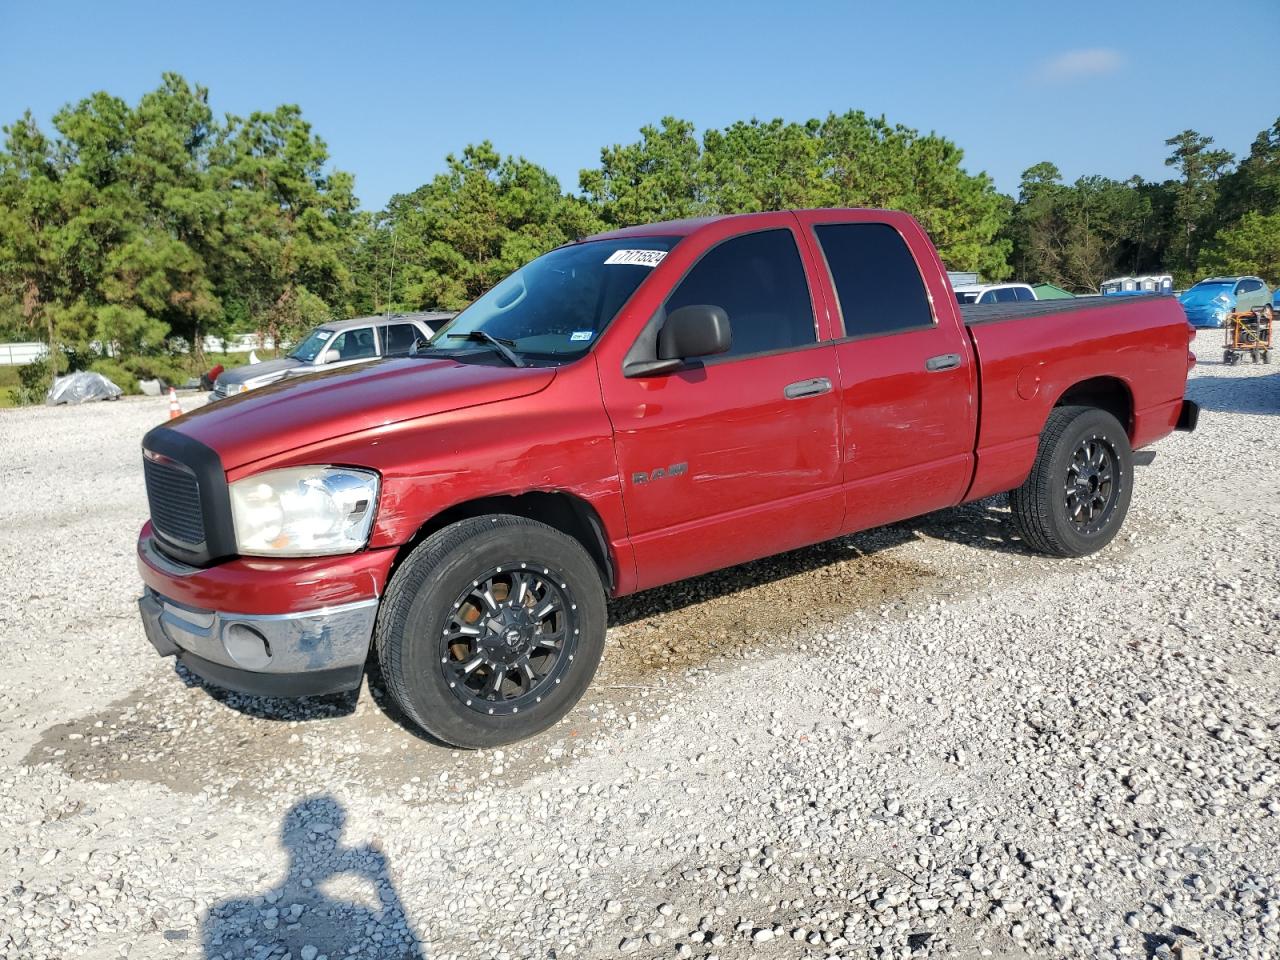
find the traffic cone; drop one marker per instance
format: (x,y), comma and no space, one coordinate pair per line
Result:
(174,409)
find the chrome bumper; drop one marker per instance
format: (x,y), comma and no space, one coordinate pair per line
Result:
(265,653)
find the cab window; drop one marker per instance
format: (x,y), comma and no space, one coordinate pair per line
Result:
(877,282)
(758,280)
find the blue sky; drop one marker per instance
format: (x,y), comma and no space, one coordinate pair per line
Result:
(393,87)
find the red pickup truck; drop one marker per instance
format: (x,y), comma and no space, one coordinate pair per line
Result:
(629,410)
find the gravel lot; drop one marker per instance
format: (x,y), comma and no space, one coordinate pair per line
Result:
(917,741)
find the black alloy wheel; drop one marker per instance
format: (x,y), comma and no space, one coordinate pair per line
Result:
(510,637)
(1091,486)
(491,630)
(1076,497)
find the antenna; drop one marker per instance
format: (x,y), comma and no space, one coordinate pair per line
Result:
(391,271)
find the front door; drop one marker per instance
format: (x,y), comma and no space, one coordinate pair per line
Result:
(738,456)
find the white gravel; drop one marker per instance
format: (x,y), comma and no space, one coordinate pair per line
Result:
(918,741)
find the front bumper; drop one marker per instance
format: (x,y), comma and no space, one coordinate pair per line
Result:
(283,655)
(288,627)
(1206,318)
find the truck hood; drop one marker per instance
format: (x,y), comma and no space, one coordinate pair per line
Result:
(257,371)
(298,412)
(1202,298)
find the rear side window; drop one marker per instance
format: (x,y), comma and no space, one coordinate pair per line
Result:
(1006,295)
(758,280)
(876,279)
(1022,293)
(398,339)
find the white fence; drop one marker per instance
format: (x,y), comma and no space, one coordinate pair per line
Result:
(17,354)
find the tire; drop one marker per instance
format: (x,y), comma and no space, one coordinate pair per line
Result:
(435,623)
(1065,508)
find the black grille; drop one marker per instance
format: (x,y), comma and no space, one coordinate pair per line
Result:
(174,497)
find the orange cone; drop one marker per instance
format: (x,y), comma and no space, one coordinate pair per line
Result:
(174,409)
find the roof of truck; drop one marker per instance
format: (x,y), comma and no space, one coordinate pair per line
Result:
(682,228)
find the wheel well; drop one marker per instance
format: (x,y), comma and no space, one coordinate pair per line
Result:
(1105,393)
(565,512)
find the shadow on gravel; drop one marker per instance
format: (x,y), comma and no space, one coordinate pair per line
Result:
(272,708)
(1254,395)
(691,606)
(308,915)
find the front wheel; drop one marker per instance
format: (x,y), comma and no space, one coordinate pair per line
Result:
(1077,495)
(491,630)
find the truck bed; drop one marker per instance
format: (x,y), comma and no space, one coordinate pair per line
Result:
(974,314)
(1135,347)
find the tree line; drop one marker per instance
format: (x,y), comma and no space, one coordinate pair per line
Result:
(132,225)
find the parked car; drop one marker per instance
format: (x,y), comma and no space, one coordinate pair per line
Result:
(1157,283)
(994,293)
(333,345)
(625,411)
(1211,301)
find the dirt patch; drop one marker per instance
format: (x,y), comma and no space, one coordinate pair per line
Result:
(178,732)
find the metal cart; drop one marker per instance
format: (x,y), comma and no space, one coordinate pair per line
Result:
(1248,333)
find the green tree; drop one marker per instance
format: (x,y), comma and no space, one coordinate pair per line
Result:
(1250,247)
(1200,168)
(453,238)
(658,178)
(753,166)
(284,222)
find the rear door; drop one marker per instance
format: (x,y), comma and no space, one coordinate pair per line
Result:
(907,376)
(736,456)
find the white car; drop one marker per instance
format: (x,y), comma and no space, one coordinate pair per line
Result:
(993,292)
(338,344)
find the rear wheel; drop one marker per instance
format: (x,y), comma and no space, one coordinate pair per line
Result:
(1077,495)
(491,630)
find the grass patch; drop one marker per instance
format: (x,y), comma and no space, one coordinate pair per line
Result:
(8,383)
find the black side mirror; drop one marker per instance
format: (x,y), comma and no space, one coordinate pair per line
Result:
(698,330)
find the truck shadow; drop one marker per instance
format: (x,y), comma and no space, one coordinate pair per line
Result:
(301,917)
(1248,395)
(831,577)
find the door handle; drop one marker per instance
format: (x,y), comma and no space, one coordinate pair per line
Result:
(807,388)
(943,361)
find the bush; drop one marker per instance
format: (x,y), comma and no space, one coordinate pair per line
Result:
(115,371)
(125,372)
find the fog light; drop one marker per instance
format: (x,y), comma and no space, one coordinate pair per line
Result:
(246,646)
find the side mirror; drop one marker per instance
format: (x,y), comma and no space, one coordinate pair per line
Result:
(330,356)
(698,330)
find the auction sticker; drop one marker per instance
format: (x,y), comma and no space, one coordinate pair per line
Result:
(637,258)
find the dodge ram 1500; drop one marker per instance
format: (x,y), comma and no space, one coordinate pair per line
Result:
(625,411)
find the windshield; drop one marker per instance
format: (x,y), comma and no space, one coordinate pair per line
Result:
(555,307)
(1205,286)
(310,348)
(966,297)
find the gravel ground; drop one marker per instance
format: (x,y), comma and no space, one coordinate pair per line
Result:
(917,741)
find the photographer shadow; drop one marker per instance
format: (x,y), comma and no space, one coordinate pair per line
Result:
(301,917)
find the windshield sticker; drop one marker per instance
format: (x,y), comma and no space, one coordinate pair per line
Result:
(581,335)
(637,258)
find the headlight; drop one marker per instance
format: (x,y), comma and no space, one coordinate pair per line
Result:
(233,388)
(304,511)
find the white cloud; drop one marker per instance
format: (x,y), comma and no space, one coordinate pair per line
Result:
(1080,65)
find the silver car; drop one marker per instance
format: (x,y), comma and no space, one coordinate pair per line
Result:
(333,345)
